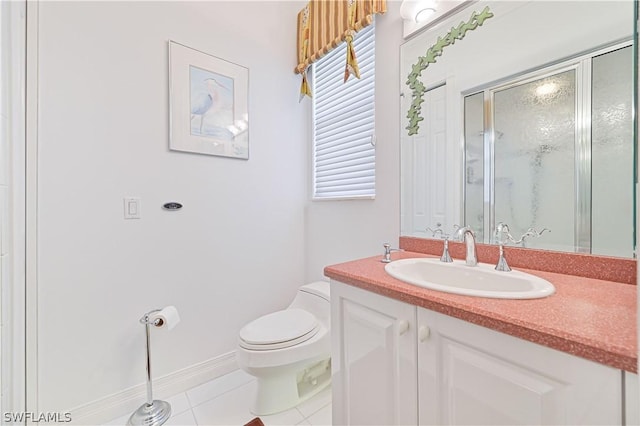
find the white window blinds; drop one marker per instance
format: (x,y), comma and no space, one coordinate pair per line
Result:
(343,123)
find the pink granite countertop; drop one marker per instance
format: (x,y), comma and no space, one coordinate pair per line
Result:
(586,317)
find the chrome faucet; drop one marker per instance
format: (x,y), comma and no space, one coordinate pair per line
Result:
(469,237)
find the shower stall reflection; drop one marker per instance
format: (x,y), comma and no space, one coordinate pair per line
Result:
(536,151)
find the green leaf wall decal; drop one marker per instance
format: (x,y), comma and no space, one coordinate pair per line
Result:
(416,86)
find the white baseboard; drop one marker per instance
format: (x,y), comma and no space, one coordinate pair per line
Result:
(119,404)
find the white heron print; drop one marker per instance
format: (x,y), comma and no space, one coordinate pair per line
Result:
(211,104)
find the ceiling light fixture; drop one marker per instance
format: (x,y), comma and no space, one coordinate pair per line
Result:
(417,10)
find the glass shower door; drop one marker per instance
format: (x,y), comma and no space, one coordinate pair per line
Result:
(612,153)
(534,145)
(474,183)
(556,151)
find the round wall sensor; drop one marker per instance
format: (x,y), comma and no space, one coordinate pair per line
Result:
(172,206)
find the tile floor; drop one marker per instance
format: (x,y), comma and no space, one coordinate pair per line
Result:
(226,400)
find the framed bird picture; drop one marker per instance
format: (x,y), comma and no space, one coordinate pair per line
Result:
(208,99)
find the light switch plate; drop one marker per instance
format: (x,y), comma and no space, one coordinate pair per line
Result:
(132,208)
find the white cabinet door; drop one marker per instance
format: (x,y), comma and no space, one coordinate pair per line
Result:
(472,375)
(373,358)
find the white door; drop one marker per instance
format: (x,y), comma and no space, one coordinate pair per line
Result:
(424,170)
(373,358)
(472,375)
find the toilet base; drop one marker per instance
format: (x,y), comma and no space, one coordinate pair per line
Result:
(281,392)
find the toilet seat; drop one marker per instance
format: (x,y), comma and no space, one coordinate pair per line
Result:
(279,330)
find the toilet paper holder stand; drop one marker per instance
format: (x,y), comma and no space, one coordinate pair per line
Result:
(153,412)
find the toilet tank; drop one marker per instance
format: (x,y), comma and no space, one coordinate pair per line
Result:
(315,298)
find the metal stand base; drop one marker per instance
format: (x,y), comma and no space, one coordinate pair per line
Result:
(151,415)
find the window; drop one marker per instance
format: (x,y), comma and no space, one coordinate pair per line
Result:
(344,123)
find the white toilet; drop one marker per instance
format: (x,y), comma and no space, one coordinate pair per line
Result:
(289,351)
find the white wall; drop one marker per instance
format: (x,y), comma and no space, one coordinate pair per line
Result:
(338,231)
(12,59)
(235,251)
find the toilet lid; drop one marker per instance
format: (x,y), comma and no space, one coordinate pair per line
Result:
(279,329)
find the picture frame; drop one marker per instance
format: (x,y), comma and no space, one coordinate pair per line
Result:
(208,104)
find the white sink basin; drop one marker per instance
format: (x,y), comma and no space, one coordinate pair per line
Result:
(482,280)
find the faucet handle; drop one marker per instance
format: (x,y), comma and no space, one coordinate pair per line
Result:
(446,257)
(437,230)
(502,264)
(531,232)
(502,234)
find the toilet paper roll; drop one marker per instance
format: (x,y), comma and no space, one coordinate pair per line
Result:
(166,318)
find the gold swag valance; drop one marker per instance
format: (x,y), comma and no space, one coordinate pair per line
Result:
(324,24)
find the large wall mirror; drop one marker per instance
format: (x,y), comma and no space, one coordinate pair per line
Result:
(528,120)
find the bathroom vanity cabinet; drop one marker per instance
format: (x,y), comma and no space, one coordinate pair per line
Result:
(398,364)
